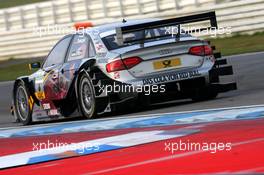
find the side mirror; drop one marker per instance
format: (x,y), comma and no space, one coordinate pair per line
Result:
(35,65)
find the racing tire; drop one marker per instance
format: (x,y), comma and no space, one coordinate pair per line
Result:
(86,96)
(203,94)
(22,104)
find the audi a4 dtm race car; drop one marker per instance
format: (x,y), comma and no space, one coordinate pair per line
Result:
(130,62)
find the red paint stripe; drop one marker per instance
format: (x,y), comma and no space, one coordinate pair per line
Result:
(243,157)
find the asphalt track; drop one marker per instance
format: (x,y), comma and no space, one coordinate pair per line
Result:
(249,74)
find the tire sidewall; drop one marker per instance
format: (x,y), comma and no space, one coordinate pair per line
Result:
(85,112)
(28,118)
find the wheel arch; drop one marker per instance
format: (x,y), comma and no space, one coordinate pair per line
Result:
(24,80)
(89,68)
(85,67)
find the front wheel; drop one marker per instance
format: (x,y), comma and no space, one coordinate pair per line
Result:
(22,104)
(86,96)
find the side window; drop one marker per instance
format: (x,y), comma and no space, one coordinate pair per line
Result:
(79,48)
(92,52)
(58,53)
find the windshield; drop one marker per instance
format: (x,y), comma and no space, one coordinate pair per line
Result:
(132,38)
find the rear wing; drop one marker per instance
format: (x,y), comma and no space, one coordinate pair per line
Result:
(120,31)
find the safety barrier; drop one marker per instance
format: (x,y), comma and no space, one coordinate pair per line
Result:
(18,25)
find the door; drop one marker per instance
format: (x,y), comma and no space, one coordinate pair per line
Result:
(80,49)
(47,79)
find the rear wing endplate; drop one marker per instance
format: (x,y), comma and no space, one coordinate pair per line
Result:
(209,16)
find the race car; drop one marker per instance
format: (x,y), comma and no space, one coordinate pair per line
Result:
(124,64)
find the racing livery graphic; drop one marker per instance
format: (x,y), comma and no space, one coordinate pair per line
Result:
(138,53)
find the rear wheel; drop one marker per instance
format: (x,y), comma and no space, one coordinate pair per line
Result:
(22,105)
(86,96)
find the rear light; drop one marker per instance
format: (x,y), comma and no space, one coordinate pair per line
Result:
(201,50)
(126,63)
(131,62)
(115,66)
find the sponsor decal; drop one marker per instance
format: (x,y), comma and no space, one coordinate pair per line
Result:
(171,77)
(165,51)
(30,102)
(167,63)
(54,112)
(116,75)
(80,40)
(39,80)
(99,47)
(40,95)
(102,60)
(79,52)
(46,106)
